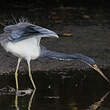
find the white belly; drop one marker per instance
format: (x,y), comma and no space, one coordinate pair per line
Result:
(28,49)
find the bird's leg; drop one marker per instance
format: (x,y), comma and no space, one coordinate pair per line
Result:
(16,102)
(31,98)
(30,75)
(16,73)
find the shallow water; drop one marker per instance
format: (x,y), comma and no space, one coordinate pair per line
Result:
(61,92)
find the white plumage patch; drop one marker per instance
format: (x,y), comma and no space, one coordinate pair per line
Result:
(28,48)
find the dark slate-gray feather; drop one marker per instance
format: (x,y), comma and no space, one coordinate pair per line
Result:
(9,28)
(27,32)
(23,33)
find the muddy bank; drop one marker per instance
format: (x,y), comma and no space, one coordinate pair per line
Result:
(90,36)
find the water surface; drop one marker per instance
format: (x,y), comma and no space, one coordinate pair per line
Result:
(57,92)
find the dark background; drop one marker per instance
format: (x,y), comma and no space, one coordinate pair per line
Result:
(51,3)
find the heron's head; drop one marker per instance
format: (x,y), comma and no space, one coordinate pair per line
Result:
(92,64)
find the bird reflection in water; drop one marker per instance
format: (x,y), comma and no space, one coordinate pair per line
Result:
(23,93)
(97,104)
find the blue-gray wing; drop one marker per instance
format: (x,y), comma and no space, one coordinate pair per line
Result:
(30,31)
(25,32)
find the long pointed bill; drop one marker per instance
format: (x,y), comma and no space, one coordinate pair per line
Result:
(100,72)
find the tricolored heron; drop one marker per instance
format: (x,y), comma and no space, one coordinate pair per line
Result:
(23,40)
